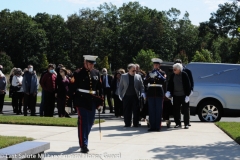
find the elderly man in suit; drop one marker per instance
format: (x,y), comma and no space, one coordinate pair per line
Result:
(106,85)
(130,88)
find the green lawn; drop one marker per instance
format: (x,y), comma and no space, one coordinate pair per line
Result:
(6,141)
(42,121)
(231,128)
(7,99)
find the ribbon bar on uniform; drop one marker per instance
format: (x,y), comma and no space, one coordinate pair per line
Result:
(86,91)
(154,85)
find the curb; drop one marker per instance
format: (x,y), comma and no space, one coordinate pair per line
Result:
(10,103)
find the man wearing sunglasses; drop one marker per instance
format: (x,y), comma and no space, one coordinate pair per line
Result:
(130,88)
(179,87)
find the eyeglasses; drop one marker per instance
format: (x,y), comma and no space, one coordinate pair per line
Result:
(174,70)
(103,71)
(134,71)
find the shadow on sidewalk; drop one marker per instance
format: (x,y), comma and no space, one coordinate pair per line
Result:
(70,150)
(216,151)
(135,130)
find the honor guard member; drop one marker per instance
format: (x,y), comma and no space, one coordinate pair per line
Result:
(155,80)
(86,88)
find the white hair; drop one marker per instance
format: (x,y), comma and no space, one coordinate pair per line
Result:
(104,69)
(178,66)
(1,74)
(130,66)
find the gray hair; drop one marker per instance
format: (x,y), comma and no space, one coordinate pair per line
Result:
(137,65)
(130,66)
(104,69)
(178,66)
(1,74)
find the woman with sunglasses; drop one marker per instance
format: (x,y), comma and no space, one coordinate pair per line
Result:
(155,80)
(179,87)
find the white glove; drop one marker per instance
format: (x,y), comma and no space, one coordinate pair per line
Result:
(186,99)
(168,94)
(191,93)
(143,95)
(120,98)
(152,75)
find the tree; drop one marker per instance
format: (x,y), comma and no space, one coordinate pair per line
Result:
(44,62)
(182,55)
(104,63)
(144,59)
(203,56)
(6,62)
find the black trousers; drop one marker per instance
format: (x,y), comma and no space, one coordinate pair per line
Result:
(61,103)
(17,101)
(179,101)
(1,101)
(131,106)
(118,106)
(167,109)
(49,104)
(107,92)
(29,102)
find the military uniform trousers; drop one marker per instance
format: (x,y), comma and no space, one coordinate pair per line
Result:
(155,112)
(85,122)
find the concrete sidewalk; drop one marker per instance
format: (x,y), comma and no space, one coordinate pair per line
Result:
(201,141)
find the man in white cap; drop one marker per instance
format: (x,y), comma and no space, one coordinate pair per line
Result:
(155,80)
(87,90)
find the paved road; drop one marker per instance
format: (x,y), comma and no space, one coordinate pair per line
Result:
(8,111)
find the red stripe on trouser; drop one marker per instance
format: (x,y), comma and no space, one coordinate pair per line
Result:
(80,127)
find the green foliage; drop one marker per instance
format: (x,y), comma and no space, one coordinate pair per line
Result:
(144,59)
(6,62)
(120,33)
(203,56)
(104,63)
(44,62)
(183,56)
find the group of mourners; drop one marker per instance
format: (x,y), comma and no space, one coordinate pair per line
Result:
(134,93)
(24,86)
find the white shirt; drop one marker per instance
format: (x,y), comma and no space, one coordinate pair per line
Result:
(16,80)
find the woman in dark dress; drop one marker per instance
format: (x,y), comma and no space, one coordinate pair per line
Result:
(62,90)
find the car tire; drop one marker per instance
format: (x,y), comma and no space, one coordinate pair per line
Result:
(210,111)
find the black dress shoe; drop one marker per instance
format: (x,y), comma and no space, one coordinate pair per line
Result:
(84,149)
(189,125)
(138,125)
(151,130)
(186,127)
(178,126)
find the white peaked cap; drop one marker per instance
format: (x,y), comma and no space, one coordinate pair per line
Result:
(157,60)
(90,58)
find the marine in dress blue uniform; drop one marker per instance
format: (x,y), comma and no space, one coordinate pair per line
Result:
(155,80)
(86,88)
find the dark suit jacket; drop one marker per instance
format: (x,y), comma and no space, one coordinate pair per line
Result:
(189,73)
(185,81)
(110,78)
